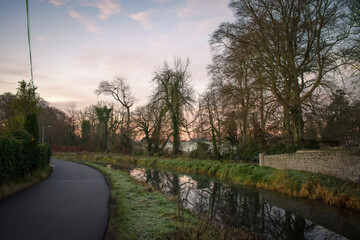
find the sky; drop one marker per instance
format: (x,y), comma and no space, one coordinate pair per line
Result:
(78,43)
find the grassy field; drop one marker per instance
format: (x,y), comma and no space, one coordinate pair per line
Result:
(140,212)
(10,188)
(330,190)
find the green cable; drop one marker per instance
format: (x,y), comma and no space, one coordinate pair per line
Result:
(28,33)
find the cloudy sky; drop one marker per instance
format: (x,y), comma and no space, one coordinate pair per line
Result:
(78,43)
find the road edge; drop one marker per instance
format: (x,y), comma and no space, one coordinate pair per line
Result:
(32,181)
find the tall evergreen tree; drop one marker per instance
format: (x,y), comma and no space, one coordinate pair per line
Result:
(32,126)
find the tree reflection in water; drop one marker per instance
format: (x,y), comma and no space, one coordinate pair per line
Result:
(233,206)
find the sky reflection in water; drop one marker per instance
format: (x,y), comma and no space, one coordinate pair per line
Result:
(274,215)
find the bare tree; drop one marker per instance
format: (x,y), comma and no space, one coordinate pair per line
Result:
(174,91)
(212,113)
(295,44)
(143,120)
(60,135)
(232,76)
(152,122)
(71,111)
(120,91)
(354,20)
(240,84)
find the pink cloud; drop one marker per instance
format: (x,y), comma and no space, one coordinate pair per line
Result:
(90,25)
(143,18)
(58,3)
(107,8)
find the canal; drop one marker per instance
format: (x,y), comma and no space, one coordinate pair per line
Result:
(274,215)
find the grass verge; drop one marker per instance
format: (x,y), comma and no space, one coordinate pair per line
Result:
(330,190)
(139,212)
(10,188)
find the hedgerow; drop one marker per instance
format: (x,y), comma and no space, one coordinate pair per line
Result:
(20,154)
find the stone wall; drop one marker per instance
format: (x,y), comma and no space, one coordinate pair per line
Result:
(335,163)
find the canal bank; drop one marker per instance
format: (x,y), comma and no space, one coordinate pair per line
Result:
(140,211)
(232,208)
(330,190)
(273,215)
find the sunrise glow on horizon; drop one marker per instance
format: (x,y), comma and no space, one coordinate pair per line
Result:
(78,43)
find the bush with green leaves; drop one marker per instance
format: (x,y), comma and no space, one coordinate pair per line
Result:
(44,155)
(202,151)
(20,154)
(11,157)
(281,149)
(311,144)
(247,151)
(28,148)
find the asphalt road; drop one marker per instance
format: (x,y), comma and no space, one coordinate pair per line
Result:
(71,204)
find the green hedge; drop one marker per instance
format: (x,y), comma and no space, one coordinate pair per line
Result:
(281,149)
(20,154)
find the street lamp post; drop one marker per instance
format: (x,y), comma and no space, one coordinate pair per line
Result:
(43,133)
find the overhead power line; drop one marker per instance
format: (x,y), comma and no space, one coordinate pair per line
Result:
(28,33)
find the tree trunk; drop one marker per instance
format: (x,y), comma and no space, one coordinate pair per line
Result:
(262,110)
(156,142)
(176,134)
(298,126)
(128,119)
(213,139)
(244,125)
(287,126)
(148,141)
(297,116)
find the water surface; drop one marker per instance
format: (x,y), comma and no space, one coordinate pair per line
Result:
(274,215)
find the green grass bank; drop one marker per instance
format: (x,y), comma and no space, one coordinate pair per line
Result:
(330,190)
(11,187)
(139,212)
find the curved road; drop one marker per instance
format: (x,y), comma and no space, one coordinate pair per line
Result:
(71,204)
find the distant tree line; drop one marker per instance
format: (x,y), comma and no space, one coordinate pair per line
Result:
(284,75)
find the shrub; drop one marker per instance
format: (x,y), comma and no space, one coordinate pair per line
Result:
(138,152)
(331,142)
(29,149)
(44,155)
(311,144)
(281,149)
(201,152)
(157,154)
(124,143)
(22,135)
(228,151)
(247,151)
(10,158)
(20,154)
(138,149)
